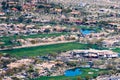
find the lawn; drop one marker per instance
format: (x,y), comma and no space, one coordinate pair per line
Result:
(48,49)
(7,40)
(85,74)
(116,50)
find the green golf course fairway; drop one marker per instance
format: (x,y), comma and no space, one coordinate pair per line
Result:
(47,49)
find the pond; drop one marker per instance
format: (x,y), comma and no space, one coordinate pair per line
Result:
(73,72)
(119,54)
(86,32)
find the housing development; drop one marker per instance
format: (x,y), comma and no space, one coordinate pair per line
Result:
(59,40)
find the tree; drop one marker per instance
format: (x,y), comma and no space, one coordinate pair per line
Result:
(16,0)
(87,77)
(47,30)
(15,78)
(72,64)
(28,21)
(66,10)
(102,23)
(9,72)
(84,20)
(53,54)
(30,69)
(19,7)
(33,41)
(67,79)
(2,47)
(79,78)
(40,6)
(28,0)
(5,5)
(7,20)
(20,19)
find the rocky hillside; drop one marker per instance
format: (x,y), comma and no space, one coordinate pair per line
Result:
(99,2)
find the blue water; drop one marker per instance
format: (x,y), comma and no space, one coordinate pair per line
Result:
(86,32)
(73,72)
(119,54)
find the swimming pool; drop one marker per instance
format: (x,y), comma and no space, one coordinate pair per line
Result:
(86,32)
